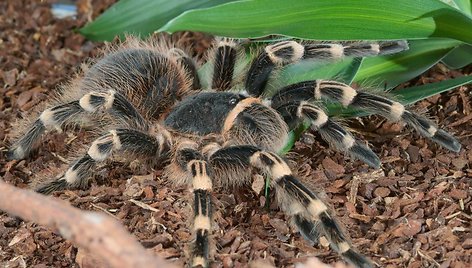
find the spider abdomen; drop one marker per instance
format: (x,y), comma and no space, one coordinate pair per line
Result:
(252,122)
(152,81)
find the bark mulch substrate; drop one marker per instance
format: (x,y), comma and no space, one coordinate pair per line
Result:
(413,212)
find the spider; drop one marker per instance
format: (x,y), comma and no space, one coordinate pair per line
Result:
(148,99)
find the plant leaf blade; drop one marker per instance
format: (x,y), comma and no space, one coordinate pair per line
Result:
(459,57)
(329,20)
(414,94)
(139,17)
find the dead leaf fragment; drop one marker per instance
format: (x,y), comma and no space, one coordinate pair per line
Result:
(279,225)
(10,77)
(22,235)
(258,183)
(331,166)
(408,228)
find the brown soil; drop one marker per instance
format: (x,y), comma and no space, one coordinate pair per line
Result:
(416,211)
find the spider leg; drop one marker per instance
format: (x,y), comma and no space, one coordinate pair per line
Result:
(126,141)
(201,185)
(54,118)
(225,56)
(202,214)
(349,97)
(337,136)
(287,52)
(234,165)
(189,65)
(314,219)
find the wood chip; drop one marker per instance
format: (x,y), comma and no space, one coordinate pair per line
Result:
(143,205)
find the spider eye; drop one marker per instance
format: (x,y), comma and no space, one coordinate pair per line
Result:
(233,101)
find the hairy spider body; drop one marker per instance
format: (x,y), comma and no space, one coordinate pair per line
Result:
(149,99)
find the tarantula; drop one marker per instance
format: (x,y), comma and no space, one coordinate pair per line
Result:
(148,98)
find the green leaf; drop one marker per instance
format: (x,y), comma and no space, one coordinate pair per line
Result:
(315,69)
(329,20)
(414,94)
(293,136)
(459,57)
(392,70)
(464,5)
(349,73)
(139,17)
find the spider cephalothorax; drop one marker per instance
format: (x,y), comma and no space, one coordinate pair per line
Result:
(148,99)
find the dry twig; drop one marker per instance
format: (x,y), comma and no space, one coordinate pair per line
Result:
(92,231)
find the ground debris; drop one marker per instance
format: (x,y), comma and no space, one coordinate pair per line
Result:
(415,211)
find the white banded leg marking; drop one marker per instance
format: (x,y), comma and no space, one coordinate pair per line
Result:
(302,195)
(288,48)
(201,180)
(224,63)
(348,141)
(201,222)
(305,108)
(432,130)
(48,121)
(317,91)
(348,95)
(375,48)
(280,170)
(272,163)
(321,120)
(198,261)
(55,117)
(343,247)
(102,147)
(51,118)
(87,104)
(316,207)
(324,51)
(71,176)
(18,152)
(396,111)
(95,153)
(338,91)
(337,51)
(362,49)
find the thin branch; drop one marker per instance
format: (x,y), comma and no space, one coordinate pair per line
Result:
(93,231)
